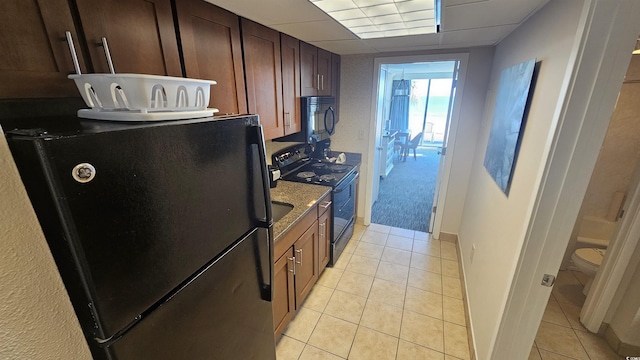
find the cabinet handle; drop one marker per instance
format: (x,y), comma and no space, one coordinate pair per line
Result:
(293,261)
(322,82)
(287,119)
(318,82)
(299,251)
(325,205)
(107,53)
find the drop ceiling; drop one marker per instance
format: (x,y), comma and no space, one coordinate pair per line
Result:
(464,23)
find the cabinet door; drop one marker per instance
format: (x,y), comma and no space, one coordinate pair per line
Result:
(306,255)
(335,82)
(35,58)
(324,73)
(210,38)
(140,33)
(324,235)
(263,76)
(290,54)
(283,292)
(308,69)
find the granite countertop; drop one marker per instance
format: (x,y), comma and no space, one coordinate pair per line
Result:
(302,196)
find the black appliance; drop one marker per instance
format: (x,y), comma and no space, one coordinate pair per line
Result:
(318,120)
(297,164)
(161,232)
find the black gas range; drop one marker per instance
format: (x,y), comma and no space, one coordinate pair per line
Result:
(297,163)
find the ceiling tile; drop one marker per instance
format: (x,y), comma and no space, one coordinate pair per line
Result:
(477,14)
(270,12)
(346,46)
(399,43)
(485,35)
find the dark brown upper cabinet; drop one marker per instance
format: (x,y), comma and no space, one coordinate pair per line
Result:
(335,81)
(212,50)
(35,58)
(324,72)
(290,55)
(263,75)
(140,34)
(315,67)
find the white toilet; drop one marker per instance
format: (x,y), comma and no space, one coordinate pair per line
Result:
(588,260)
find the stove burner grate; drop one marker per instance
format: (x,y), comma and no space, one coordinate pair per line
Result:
(328,177)
(306,174)
(338,168)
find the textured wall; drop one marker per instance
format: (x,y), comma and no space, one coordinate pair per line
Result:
(626,314)
(493,222)
(36,317)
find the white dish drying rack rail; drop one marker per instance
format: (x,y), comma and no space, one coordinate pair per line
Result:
(139,97)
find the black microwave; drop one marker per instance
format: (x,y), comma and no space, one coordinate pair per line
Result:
(318,120)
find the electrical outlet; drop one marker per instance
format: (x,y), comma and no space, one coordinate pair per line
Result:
(473,252)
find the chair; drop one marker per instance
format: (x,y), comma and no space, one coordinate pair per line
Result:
(413,144)
(428,130)
(401,140)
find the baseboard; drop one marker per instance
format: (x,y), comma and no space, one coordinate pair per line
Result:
(448,237)
(454,238)
(360,220)
(618,346)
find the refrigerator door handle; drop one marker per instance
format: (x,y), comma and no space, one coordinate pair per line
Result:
(259,140)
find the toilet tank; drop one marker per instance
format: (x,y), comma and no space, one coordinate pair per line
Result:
(595,232)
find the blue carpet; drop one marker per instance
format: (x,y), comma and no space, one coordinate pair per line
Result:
(406,195)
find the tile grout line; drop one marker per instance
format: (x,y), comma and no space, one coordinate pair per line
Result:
(406,287)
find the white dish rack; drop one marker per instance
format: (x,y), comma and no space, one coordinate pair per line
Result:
(139,97)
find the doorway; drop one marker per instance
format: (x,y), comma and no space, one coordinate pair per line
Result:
(415,111)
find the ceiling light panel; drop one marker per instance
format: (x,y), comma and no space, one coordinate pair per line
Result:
(418,15)
(380,10)
(382,18)
(387,19)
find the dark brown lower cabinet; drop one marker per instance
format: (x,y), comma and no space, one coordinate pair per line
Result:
(284,296)
(306,262)
(302,253)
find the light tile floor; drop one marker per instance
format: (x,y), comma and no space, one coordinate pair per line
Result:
(393,294)
(560,335)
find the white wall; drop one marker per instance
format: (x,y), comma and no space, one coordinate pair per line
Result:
(356,120)
(626,319)
(491,221)
(37,320)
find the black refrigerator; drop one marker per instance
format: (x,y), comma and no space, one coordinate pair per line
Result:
(161,232)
